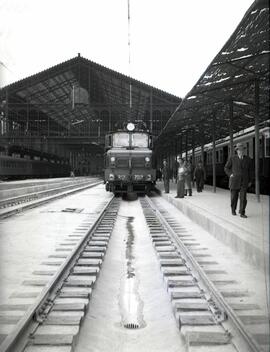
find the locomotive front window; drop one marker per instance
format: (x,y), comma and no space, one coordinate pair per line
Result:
(121,140)
(140,140)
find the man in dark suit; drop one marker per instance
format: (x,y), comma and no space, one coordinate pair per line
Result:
(238,168)
(166,176)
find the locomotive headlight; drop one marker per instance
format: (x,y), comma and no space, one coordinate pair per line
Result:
(111,177)
(130,126)
(147,161)
(112,160)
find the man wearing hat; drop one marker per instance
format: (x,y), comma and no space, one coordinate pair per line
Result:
(238,169)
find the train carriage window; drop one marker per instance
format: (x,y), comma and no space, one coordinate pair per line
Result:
(217,156)
(209,157)
(221,156)
(266,147)
(247,150)
(261,148)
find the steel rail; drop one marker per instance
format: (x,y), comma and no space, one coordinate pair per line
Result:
(250,344)
(11,341)
(12,210)
(40,194)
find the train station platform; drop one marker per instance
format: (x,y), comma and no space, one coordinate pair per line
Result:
(248,237)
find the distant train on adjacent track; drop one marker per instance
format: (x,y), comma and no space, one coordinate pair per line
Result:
(246,137)
(129,161)
(19,168)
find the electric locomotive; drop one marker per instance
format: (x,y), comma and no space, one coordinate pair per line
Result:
(129,161)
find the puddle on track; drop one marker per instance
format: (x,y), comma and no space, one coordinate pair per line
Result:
(130,304)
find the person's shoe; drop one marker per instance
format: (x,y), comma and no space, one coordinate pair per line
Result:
(233,212)
(243,216)
(176,197)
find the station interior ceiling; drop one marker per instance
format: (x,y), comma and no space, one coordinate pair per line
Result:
(76,103)
(71,106)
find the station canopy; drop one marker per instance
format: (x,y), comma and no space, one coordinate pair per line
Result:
(235,86)
(81,99)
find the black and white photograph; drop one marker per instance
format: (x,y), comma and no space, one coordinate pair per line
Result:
(134,176)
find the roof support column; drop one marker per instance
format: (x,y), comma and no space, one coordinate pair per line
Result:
(214,153)
(48,126)
(89,83)
(231,127)
(168,155)
(175,159)
(27,121)
(180,145)
(175,147)
(186,145)
(151,111)
(193,147)
(110,118)
(202,143)
(171,153)
(257,141)
(6,114)
(89,97)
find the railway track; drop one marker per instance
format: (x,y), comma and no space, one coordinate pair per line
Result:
(55,316)
(37,195)
(202,313)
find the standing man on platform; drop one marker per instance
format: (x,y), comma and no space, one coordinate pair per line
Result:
(238,169)
(188,178)
(199,176)
(181,175)
(166,176)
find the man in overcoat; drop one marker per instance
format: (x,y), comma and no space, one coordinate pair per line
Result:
(239,168)
(199,176)
(181,174)
(166,176)
(188,178)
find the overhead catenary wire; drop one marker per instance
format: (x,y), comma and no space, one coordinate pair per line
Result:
(5,66)
(129,56)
